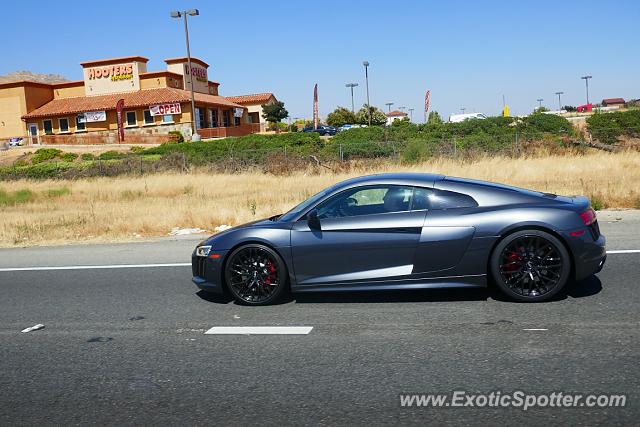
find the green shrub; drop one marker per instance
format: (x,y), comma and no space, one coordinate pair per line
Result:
(16,197)
(548,123)
(87,156)
(45,154)
(608,127)
(178,138)
(57,192)
(69,157)
(20,162)
(415,151)
(111,155)
(137,149)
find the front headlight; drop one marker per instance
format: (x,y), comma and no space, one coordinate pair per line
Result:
(203,251)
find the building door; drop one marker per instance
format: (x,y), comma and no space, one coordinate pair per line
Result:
(34,138)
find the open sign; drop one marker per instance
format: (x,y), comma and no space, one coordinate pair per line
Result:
(162,109)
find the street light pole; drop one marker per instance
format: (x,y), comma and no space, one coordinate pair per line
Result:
(559,102)
(540,102)
(366,77)
(586,82)
(389,104)
(176,14)
(352,85)
(411,114)
(462,109)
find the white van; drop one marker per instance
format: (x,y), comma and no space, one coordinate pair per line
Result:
(457,118)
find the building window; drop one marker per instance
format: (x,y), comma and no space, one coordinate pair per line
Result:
(64,124)
(236,121)
(48,127)
(167,118)
(148,118)
(80,124)
(201,119)
(132,120)
(226,118)
(214,118)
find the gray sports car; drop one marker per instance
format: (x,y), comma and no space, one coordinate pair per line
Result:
(408,231)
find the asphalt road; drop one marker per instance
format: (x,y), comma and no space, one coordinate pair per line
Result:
(127,346)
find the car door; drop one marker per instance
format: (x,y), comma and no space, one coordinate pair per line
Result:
(364,234)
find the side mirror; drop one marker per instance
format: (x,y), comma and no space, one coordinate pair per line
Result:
(313,220)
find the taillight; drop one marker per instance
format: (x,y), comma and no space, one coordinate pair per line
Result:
(588,216)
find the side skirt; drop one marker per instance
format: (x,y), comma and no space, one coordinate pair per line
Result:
(468,281)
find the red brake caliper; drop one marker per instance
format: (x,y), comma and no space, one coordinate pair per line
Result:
(513,259)
(271,269)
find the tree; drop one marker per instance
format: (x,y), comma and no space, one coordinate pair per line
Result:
(341,116)
(434,118)
(377,117)
(275,112)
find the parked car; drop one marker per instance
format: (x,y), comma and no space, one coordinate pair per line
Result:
(15,142)
(322,130)
(345,127)
(457,118)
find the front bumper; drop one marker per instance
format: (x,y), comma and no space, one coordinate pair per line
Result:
(207,272)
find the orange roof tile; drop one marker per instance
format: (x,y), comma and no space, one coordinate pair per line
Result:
(256,98)
(396,113)
(141,98)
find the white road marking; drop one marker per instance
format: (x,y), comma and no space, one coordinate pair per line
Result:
(176,264)
(96,267)
(259,330)
(535,329)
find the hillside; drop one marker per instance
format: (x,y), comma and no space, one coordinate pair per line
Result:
(34,77)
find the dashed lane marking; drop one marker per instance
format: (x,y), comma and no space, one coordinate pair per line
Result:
(259,330)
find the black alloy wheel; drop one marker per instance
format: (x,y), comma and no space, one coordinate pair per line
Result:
(531,265)
(255,275)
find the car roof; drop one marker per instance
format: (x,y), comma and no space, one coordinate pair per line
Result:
(422,179)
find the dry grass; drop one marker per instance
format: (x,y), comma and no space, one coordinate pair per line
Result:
(109,209)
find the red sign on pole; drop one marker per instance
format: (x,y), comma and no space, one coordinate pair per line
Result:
(119,107)
(315,106)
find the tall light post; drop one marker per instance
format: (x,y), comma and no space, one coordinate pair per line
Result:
(411,114)
(463,109)
(402,109)
(389,104)
(351,86)
(559,102)
(184,14)
(539,102)
(366,78)
(586,82)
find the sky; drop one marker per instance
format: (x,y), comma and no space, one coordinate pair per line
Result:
(467,53)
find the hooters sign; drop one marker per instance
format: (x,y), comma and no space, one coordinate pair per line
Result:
(162,109)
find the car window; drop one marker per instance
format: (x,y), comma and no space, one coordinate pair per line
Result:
(367,201)
(441,199)
(420,199)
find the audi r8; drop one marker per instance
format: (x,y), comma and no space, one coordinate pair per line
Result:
(408,231)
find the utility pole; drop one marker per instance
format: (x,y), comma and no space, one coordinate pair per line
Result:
(366,77)
(184,14)
(351,86)
(559,101)
(389,104)
(586,82)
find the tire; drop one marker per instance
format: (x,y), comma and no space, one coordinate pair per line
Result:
(255,275)
(530,266)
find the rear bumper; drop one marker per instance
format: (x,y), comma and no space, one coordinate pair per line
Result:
(207,273)
(589,255)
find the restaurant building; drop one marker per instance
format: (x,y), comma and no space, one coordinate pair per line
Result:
(153,103)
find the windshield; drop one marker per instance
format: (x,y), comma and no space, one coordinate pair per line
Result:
(305,205)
